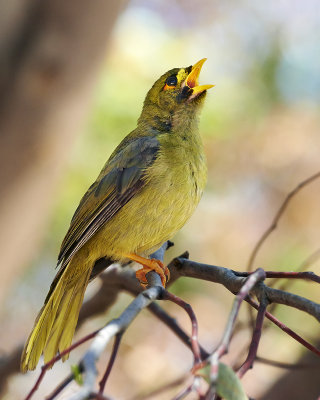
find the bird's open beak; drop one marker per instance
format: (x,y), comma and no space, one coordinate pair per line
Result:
(193,77)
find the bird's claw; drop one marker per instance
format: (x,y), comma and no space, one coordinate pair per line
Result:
(153,265)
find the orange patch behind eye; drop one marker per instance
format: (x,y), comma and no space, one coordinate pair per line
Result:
(168,87)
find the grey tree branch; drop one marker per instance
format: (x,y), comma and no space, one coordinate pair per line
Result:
(113,281)
(114,327)
(117,279)
(231,281)
(227,277)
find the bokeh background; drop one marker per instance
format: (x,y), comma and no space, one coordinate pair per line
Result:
(261,129)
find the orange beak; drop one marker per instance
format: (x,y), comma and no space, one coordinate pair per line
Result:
(192,80)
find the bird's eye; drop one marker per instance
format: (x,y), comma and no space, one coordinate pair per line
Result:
(171,82)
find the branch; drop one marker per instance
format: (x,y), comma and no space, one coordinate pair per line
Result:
(118,326)
(285,329)
(223,347)
(113,328)
(255,340)
(113,356)
(233,282)
(114,280)
(311,259)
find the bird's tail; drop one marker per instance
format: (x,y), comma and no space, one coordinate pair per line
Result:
(56,322)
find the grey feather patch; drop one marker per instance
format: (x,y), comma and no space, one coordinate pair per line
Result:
(125,177)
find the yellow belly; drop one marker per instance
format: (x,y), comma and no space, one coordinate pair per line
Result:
(152,216)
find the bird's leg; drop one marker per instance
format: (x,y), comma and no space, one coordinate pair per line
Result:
(150,265)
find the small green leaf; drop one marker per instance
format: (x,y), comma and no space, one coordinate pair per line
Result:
(228,384)
(77,374)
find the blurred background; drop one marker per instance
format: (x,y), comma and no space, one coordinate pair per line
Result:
(73,80)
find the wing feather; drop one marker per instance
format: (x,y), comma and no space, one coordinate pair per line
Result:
(120,179)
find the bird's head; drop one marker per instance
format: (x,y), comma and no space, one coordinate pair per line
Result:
(177,92)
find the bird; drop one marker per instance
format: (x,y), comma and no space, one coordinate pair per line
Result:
(144,194)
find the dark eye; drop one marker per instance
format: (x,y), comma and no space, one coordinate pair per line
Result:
(172,80)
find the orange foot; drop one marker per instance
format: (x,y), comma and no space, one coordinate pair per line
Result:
(150,265)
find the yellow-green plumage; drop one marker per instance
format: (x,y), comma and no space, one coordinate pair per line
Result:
(145,193)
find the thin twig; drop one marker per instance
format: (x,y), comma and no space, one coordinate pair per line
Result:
(194,341)
(184,393)
(162,388)
(304,275)
(310,260)
(284,328)
(222,349)
(61,386)
(255,339)
(194,335)
(58,357)
(111,329)
(277,217)
(274,225)
(175,327)
(98,396)
(279,364)
(115,349)
(193,387)
(307,263)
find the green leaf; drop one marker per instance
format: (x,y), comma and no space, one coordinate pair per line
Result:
(228,384)
(77,374)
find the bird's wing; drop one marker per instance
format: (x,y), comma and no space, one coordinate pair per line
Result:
(121,178)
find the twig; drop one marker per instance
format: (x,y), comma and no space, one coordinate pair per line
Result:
(279,364)
(194,336)
(307,263)
(162,388)
(255,277)
(283,327)
(193,387)
(58,357)
(184,393)
(305,275)
(115,349)
(111,329)
(273,226)
(172,324)
(62,386)
(97,396)
(311,259)
(277,217)
(255,339)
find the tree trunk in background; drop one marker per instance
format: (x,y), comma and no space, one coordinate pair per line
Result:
(50,53)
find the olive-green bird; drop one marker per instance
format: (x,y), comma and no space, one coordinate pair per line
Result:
(144,194)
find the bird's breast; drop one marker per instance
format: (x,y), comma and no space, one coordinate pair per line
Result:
(173,187)
(179,173)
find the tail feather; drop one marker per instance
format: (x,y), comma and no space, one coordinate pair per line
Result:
(66,319)
(56,322)
(66,337)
